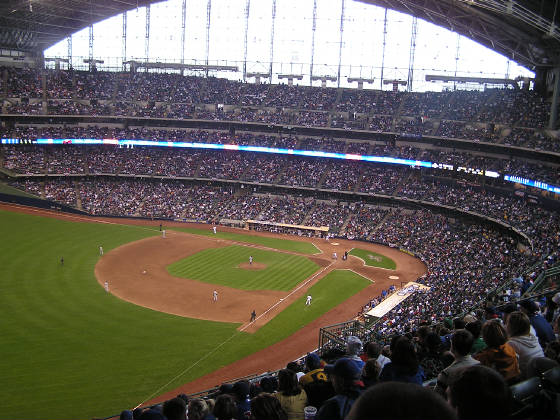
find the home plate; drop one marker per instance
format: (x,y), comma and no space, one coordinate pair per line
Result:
(334,243)
(394,277)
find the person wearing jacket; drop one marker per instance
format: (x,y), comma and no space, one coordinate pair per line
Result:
(525,344)
(499,355)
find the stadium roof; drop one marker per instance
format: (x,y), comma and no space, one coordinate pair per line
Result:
(523,30)
(34,25)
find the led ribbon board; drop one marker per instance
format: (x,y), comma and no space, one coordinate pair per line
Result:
(258,149)
(532,183)
(310,153)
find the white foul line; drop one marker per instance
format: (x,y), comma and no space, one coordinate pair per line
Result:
(289,294)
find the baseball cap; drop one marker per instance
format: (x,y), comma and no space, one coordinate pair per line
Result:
(345,368)
(313,361)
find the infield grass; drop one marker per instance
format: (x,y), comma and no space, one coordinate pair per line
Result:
(274,243)
(71,351)
(374,259)
(221,266)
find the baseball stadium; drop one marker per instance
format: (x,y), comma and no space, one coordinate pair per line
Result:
(283,209)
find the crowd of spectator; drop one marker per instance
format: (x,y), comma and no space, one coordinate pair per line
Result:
(335,174)
(473,115)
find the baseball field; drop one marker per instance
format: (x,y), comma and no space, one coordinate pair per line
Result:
(72,350)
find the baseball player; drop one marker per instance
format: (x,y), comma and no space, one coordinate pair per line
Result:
(214,229)
(107,287)
(253,316)
(215,296)
(100,250)
(250,259)
(163,233)
(308,300)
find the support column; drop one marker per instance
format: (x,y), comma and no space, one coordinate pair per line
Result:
(208,11)
(383,53)
(272,40)
(183,30)
(340,42)
(69,41)
(147,41)
(457,56)
(91,47)
(313,29)
(555,98)
(247,9)
(124,29)
(412,53)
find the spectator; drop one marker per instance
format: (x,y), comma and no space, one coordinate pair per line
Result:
(373,351)
(353,347)
(225,407)
(345,377)
(151,414)
(480,393)
(525,344)
(397,400)
(544,330)
(198,410)
(431,359)
(370,373)
(315,382)
(240,391)
(292,398)
(267,407)
(475,327)
(499,355)
(176,408)
(404,366)
(461,344)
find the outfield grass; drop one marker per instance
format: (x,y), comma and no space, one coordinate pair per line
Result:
(275,243)
(220,266)
(69,350)
(374,259)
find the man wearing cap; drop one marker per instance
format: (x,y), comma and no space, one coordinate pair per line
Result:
(345,377)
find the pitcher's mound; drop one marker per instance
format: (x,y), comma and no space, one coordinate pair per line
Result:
(255,266)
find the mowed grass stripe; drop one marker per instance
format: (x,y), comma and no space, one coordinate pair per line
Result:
(274,243)
(221,266)
(374,259)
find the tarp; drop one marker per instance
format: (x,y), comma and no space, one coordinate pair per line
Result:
(396,298)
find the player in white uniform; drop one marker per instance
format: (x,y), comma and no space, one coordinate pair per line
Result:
(107,287)
(214,229)
(163,233)
(100,250)
(215,296)
(308,300)
(250,259)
